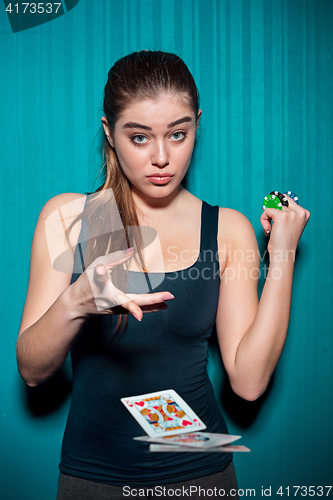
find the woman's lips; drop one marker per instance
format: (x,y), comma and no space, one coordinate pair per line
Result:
(160,179)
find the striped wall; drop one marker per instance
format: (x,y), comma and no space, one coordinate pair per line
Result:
(264,71)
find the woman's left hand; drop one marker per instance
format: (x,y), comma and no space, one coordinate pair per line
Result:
(289,224)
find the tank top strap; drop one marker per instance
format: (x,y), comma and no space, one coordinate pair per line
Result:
(209,230)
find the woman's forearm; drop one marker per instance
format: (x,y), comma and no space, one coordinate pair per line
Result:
(43,347)
(261,346)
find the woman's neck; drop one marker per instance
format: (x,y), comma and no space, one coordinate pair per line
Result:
(153,206)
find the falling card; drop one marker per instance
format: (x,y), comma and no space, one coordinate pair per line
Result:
(163,413)
(193,439)
(217,449)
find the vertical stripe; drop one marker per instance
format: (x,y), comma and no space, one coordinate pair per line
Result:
(168,25)
(228,103)
(285,88)
(146,25)
(222,144)
(125,28)
(157,21)
(178,21)
(264,72)
(215,174)
(247,107)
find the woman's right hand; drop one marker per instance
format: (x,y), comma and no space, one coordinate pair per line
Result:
(55,309)
(94,293)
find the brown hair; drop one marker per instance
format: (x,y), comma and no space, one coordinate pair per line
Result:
(140,75)
(137,76)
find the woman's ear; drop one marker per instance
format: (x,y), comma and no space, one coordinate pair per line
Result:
(199,116)
(107,131)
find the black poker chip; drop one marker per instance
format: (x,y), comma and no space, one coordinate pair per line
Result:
(282,198)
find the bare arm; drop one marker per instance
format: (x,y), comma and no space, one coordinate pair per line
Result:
(55,311)
(48,327)
(252,335)
(42,348)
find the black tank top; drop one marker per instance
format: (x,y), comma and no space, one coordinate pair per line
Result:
(167,350)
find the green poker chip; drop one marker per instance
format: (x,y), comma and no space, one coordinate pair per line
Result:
(272,201)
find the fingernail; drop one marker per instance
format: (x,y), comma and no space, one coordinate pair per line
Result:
(100,270)
(167,296)
(129,250)
(136,316)
(267,232)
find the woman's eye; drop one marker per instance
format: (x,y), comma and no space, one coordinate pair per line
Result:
(139,139)
(178,136)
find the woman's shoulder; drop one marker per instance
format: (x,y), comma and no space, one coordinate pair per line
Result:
(235,226)
(73,202)
(231,221)
(58,213)
(55,218)
(232,216)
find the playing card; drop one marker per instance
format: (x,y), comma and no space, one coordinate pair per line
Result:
(217,449)
(163,413)
(193,439)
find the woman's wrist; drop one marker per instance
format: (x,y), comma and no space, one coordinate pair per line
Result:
(72,304)
(278,256)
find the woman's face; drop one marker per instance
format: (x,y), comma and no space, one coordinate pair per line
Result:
(154,141)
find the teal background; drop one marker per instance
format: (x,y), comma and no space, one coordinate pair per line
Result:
(264,71)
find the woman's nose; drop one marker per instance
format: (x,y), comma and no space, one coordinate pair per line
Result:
(160,156)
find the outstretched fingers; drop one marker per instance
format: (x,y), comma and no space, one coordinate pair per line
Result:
(127,303)
(114,259)
(147,299)
(137,304)
(109,298)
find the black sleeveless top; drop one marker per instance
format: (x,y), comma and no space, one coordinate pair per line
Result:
(167,350)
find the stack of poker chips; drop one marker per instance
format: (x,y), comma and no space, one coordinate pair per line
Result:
(275,200)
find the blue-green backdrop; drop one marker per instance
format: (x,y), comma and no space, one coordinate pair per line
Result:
(264,71)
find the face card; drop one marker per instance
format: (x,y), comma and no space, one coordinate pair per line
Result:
(193,439)
(217,449)
(163,413)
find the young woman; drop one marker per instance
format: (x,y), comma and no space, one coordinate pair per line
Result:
(208,274)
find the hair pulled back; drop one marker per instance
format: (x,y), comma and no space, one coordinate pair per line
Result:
(137,76)
(141,75)
(147,75)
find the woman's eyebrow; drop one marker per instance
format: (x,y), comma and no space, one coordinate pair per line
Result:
(136,125)
(181,120)
(145,127)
